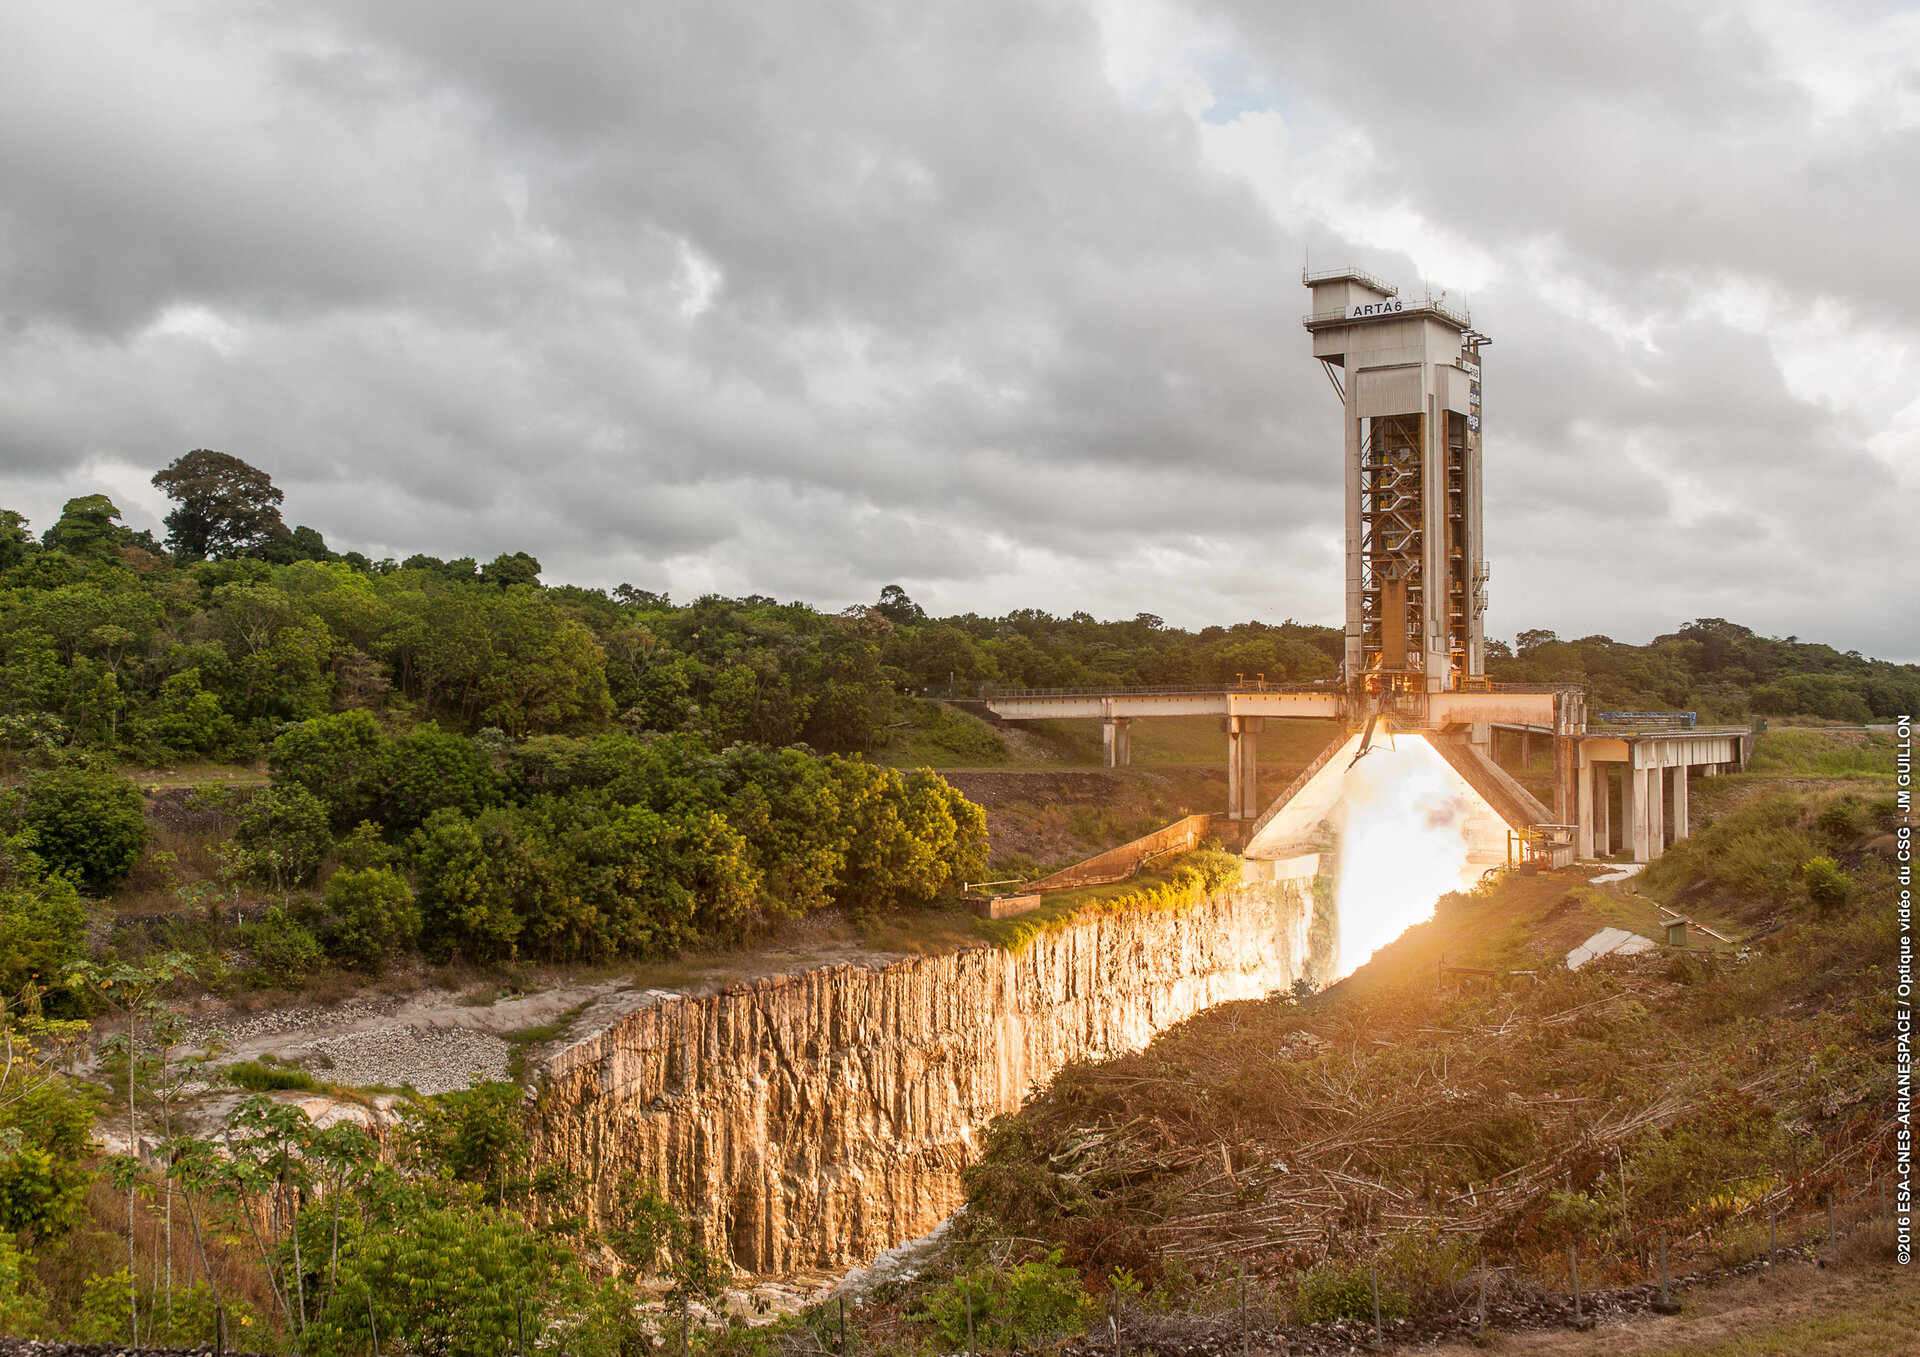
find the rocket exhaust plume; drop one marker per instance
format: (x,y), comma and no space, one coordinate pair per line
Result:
(1403,844)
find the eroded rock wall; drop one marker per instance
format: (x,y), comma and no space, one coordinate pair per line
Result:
(808,1121)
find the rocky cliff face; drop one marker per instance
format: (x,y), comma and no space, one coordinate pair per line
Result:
(808,1121)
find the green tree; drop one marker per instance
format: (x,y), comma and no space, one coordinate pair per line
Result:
(373,916)
(302,544)
(504,570)
(15,541)
(429,770)
(87,822)
(224,507)
(281,837)
(42,920)
(913,836)
(186,718)
(465,906)
(88,526)
(339,758)
(475,1135)
(450,1282)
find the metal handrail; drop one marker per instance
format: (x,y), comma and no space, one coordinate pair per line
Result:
(1165,690)
(986,692)
(1341,275)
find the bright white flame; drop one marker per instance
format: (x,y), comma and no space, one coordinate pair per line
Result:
(1403,845)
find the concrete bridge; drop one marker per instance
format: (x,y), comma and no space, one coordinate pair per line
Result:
(1613,787)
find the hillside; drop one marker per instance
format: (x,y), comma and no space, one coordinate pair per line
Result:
(1465,1099)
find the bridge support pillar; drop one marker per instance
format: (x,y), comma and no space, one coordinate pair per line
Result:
(1583,811)
(1243,767)
(1656,812)
(1633,810)
(1602,810)
(1680,803)
(1116,741)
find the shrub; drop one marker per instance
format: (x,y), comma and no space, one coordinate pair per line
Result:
(21,1312)
(968,737)
(1333,1291)
(282,835)
(1036,1302)
(1840,824)
(473,1135)
(283,950)
(373,916)
(1827,886)
(42,921)
(45,1136)
(86,822)
(257,1076)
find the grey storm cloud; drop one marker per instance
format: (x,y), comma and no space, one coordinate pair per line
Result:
(999,301)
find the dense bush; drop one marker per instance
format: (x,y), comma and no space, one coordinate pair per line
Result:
(1827,886)
(86,822)
(281,837)
(1333,1291)
(350,764)
(46,1134)
(371,916)
(1009,1309)
(284,950)
(42,922)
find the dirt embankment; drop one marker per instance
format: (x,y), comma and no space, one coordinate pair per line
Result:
(1048,819)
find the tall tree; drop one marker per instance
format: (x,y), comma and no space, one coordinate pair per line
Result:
(226,507)
(15,540)
(88,526)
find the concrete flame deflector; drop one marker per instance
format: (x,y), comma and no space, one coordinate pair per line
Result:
(1297,821)
(1520,808)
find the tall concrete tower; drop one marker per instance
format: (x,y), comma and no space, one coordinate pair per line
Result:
(1416,559)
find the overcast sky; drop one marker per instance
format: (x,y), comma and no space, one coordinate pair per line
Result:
(997,301)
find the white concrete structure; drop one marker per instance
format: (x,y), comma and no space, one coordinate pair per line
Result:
(1650,769)
(1416,568)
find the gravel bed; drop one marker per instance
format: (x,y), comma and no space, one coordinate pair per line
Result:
(431,1059)
(237,1027)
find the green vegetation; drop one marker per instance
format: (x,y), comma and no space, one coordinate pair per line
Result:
(42,919)
(1814,753)
(1008,1309)
(301,1238)
(85,823)
(1178,883)
(1718,668)
(448,761)
(258,1076)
